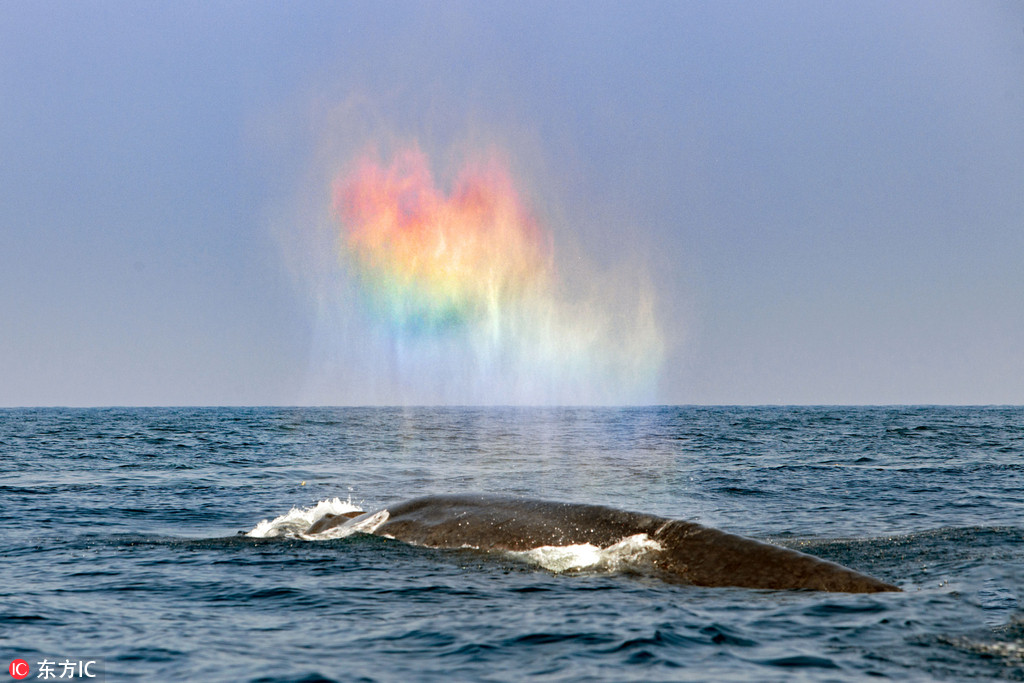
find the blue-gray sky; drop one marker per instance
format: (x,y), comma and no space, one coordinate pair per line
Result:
(827,199)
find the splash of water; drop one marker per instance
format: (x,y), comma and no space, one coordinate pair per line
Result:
(296,521)
(631,550)
(465,283)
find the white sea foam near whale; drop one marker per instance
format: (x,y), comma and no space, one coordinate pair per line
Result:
(584,556)
(363,524)
(295,522)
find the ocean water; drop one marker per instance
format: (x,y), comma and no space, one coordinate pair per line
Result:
(120,544)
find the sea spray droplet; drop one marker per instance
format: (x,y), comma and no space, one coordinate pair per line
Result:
(468,279)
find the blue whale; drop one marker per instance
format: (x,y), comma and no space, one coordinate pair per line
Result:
(689,553)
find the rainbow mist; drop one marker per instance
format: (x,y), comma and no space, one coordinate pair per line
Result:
(464,288)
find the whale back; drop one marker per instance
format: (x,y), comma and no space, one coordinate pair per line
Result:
(504,523)
(690,553)
(705,556)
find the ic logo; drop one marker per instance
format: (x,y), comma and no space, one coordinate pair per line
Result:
(19,668)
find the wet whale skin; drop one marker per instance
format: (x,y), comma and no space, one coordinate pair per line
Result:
(691,553)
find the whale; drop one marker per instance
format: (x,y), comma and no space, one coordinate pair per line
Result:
(683,552)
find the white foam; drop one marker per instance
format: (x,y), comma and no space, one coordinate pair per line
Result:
(364,524)
(296,521)
(1012,651)
(567,558)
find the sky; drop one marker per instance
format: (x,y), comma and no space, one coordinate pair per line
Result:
(683,203)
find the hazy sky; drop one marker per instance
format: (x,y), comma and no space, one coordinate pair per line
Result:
(824,200)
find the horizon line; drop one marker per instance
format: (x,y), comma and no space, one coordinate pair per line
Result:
(390,406)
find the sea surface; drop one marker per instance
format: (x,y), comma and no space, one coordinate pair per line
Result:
(120,544)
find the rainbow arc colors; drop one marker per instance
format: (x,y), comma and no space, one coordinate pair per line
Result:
(468,278)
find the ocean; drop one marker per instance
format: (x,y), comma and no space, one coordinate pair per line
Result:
(127,548)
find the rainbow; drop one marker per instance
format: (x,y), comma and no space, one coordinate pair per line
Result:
(468,277)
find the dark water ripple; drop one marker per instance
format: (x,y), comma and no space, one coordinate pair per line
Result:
(119,543)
